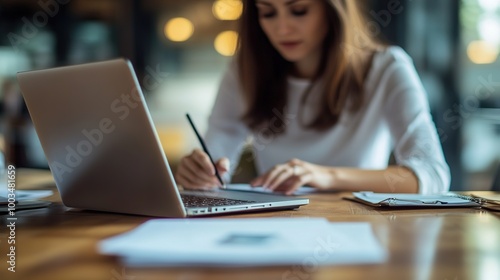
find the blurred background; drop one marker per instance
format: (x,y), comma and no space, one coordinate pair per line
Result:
(180,50)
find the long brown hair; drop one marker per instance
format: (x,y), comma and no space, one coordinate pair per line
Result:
(345,61)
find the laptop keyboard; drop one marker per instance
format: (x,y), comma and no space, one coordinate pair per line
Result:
(199,201)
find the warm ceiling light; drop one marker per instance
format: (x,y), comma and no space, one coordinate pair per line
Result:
(227,9)
(482,52)
(178,29)
(226,42)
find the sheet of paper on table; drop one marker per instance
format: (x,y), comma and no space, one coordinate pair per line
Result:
(245,242)
(23,195)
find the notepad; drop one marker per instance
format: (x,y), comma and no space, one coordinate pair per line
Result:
(415,200)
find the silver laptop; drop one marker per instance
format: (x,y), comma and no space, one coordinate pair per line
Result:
(104,152)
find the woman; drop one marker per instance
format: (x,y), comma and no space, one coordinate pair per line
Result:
(324,104)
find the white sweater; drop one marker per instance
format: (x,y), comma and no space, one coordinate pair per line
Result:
(395,117)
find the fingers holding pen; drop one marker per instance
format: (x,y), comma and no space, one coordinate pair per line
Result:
(197,171)
(185,178)
(197,166)
(223,165)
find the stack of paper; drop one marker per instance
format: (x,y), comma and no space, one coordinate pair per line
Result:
(24,195)
(245,242)
(24,199)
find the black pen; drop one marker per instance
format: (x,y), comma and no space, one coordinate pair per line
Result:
(206,150)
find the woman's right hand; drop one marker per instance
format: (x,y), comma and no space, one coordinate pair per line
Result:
(197,172)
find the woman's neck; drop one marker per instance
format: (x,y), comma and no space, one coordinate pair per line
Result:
(307,68)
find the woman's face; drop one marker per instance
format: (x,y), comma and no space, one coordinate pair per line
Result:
(296,28)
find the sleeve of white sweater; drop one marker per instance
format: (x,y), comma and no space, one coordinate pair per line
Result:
(226,132)
(416,142)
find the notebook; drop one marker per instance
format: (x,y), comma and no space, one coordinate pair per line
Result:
(415,200)
(104,152)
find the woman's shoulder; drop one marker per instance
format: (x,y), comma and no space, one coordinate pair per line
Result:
(388,65)
(391,55)
(230,72)
(230,85)
(391,68)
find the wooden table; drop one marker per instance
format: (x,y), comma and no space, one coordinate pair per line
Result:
(446,244)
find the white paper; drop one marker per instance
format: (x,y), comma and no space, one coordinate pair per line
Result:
(23,195)
(245,242)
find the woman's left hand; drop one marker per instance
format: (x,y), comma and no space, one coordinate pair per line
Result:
(295,173)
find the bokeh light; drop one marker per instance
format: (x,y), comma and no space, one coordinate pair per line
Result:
(179,29)
(226,43)
(482,52)
(227,9)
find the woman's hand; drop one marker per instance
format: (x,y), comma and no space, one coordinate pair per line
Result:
(197,172)
(289,176)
